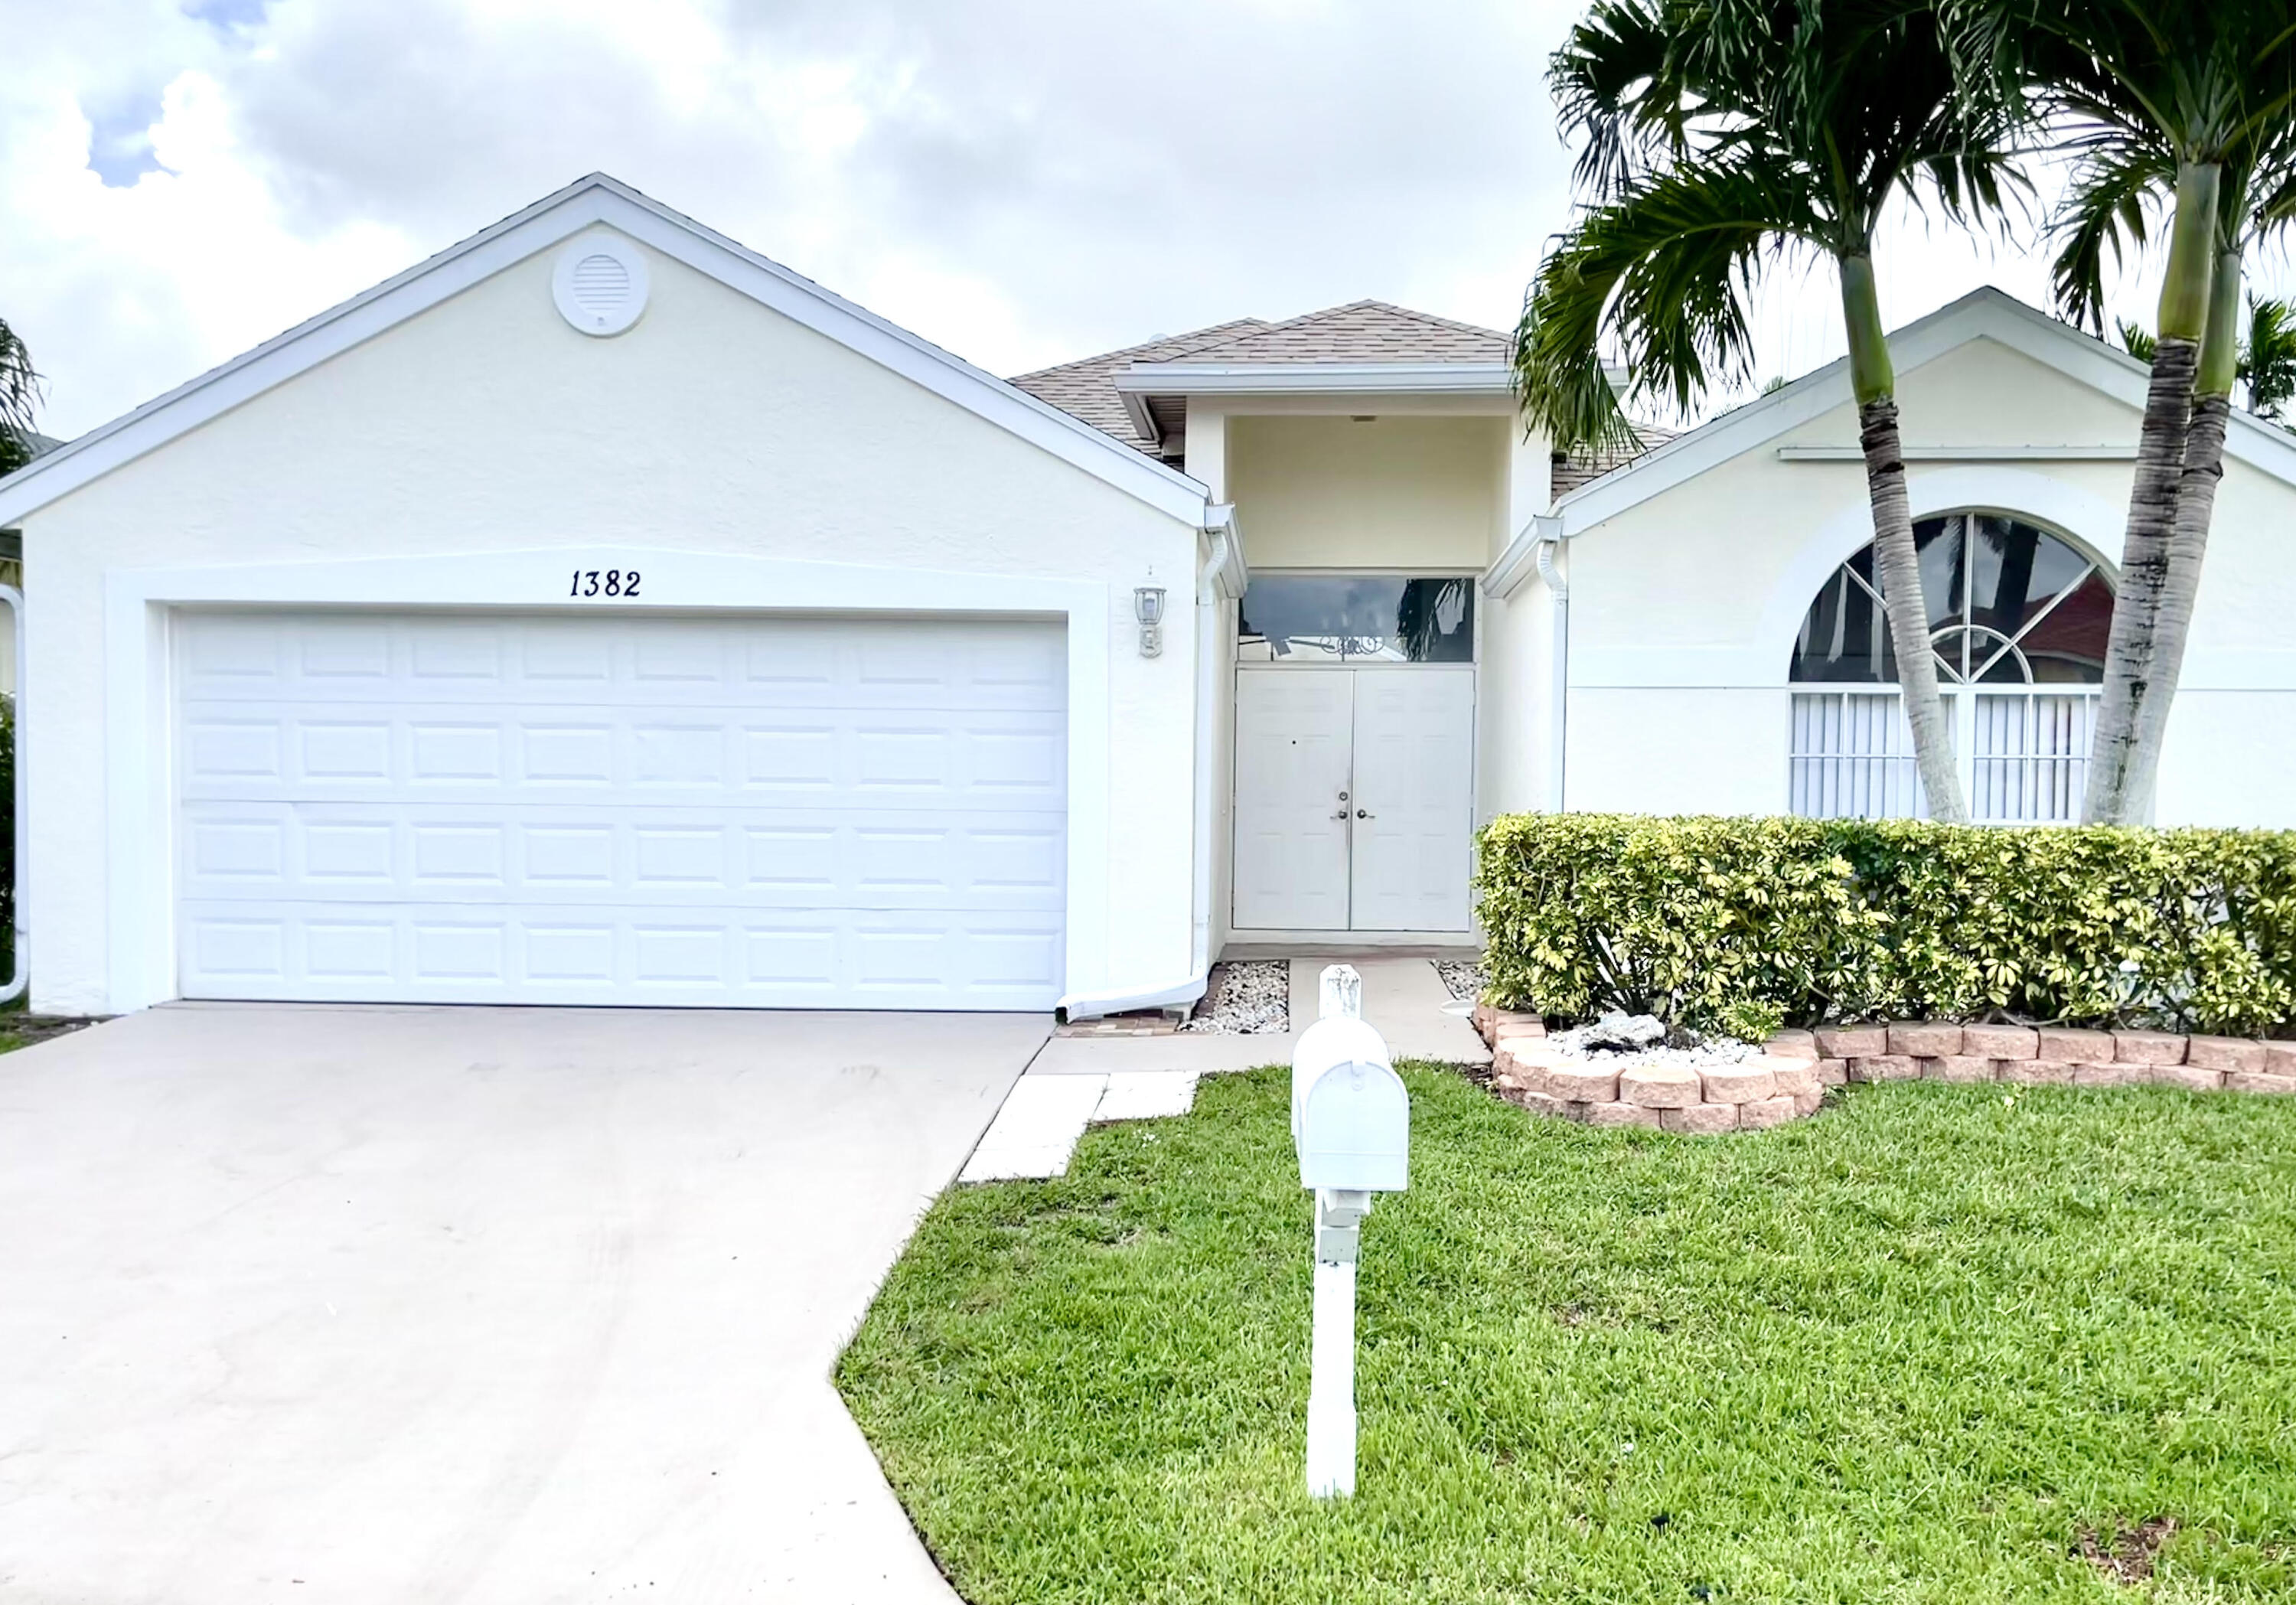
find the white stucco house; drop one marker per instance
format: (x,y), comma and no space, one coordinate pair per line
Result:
(601,613)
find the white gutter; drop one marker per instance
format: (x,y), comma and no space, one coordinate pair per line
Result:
(1221,579)
(1533,551)
(1559,714)
(13,600)
(1135,385)
(1316,377)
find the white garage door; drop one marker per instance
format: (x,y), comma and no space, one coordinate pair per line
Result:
(508,808)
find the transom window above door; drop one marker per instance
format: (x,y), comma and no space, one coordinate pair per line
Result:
(1357,617)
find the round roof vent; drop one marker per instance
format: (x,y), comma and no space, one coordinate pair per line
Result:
(600,284)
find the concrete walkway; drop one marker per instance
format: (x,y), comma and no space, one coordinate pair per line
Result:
(462,1304)
(1075,1081)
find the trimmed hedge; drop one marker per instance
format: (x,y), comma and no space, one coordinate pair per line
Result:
(1744,925)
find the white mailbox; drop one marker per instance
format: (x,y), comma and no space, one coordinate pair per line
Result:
(1351,1123)
(1350,1117)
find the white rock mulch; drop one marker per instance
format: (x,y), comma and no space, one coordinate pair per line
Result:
(1641,1039)
(1464,977)
(1245,997)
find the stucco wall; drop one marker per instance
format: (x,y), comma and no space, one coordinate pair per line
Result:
(1398,492)
(1684,609)
(716,426)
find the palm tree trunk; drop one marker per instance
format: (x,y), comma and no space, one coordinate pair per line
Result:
(2113,769)
(2196,502)
(1874,379)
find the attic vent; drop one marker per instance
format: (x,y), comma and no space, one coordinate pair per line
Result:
(600,284)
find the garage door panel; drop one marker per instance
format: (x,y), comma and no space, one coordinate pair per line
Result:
(534,853)
(808,813)
(797,959)
(621,659)
(283,751)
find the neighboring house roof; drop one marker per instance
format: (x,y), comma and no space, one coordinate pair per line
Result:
(1575,469)
(598,199)
(1360,335)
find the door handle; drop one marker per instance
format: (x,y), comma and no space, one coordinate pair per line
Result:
(1361,814)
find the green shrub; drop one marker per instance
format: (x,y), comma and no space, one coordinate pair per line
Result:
(1742,924)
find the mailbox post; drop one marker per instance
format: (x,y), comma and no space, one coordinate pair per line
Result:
(1351,1123)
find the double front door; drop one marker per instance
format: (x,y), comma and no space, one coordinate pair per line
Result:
(1354,798)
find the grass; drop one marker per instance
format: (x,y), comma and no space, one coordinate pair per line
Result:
(1923,1347)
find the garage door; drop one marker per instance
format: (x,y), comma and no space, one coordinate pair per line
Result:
(515,808)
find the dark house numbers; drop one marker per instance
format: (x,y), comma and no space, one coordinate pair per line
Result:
(604,582)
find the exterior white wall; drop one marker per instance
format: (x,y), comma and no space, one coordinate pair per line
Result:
(715,428)
(1684,607)
(1401,491)
(1516,707)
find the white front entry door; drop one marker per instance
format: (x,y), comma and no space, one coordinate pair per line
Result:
(1415,798)
(1354,799)
(507,808)
(1294,736)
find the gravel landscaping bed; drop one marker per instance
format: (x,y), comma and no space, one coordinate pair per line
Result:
(1248,997)
(1463,976)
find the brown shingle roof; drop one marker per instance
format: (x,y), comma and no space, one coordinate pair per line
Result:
(1361,331)
(1583,468)
(1367,332)
(1086,388)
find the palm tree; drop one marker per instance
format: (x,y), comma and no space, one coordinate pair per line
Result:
(1721,138)
(2186,101)
(2267,357)
(2267,364)
(20,388)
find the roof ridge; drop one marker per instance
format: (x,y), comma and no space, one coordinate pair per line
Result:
(1211,334)
(1436,318)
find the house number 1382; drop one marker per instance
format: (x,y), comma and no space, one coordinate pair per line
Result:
(604,582)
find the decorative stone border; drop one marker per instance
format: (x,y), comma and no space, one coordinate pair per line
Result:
(1788,1079)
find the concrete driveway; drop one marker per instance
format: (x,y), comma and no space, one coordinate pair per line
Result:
(462,1304)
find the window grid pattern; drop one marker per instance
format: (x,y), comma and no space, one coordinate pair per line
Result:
(2017,618)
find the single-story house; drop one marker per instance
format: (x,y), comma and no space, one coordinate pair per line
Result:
(599,612)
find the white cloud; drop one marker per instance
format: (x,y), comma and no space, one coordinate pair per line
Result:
(1019,180)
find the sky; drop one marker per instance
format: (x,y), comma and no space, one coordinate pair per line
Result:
(1020,181)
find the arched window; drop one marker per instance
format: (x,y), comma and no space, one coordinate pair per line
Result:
(2019,619)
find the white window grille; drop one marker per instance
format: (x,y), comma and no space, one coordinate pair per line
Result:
(2024,760)
(2018,625)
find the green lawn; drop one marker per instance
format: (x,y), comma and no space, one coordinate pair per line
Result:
(1913,1349)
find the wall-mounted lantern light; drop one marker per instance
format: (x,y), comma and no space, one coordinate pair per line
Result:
(1148,606)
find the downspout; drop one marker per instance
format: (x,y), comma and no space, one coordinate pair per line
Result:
(1221,577)
(19,971)
(1559,681)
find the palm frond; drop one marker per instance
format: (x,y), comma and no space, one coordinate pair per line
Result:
(2267,363)
(2103,211)
(1662,275)
(2138,342)
(1610,83)
(19,396)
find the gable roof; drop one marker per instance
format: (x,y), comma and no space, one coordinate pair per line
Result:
(1137,394)
(1983,313)
(598,199)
